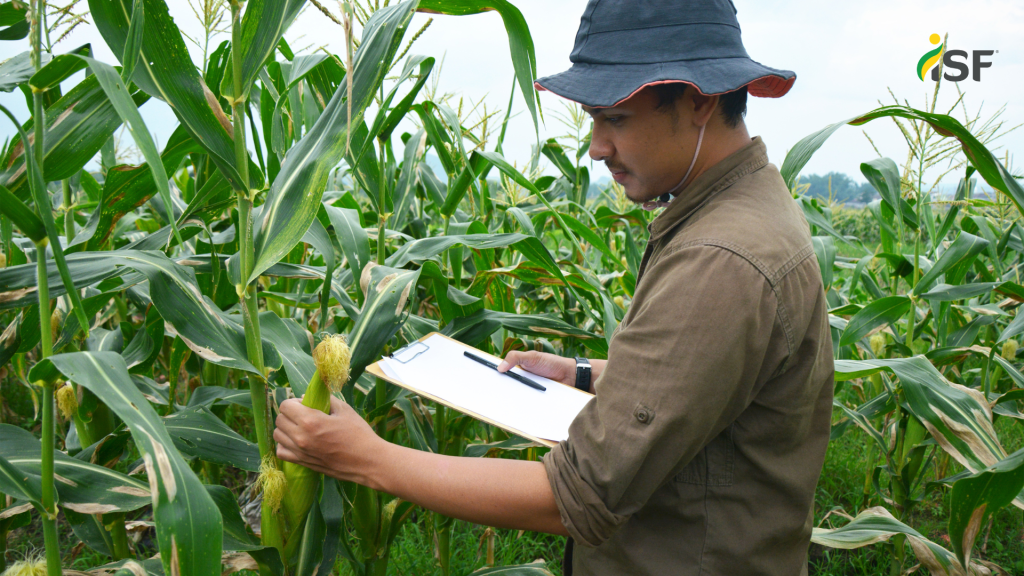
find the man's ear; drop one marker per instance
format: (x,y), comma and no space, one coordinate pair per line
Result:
(702,107)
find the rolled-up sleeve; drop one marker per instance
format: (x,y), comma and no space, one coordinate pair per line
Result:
(688,362)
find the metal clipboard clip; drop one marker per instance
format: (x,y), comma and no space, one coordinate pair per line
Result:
(409,353)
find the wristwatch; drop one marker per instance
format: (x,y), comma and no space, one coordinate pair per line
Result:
(582,374)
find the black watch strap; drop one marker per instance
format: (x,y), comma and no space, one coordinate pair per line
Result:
(582,374)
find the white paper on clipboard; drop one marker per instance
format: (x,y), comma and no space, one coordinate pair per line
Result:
(438,367)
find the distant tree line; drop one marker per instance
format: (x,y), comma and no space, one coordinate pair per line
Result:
(839,187)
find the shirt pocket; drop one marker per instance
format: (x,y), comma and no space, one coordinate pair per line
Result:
(713,465)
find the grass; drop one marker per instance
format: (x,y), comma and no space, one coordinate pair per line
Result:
(413,550)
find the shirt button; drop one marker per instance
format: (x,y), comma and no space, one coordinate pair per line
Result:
(643,414)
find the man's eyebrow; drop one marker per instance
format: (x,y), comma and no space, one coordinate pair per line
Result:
(596,111)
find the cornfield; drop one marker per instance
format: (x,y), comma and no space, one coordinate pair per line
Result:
(157,314)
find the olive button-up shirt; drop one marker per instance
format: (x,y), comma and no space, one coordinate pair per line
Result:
(701,451)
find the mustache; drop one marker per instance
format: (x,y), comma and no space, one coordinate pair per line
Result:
(614,167)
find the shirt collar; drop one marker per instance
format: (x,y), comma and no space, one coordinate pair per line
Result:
(706,186)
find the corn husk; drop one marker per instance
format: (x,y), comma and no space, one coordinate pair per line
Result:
(332,357)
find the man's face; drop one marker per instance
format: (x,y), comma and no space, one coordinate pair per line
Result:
(646,149)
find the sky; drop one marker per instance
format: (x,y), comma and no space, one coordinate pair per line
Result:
(848,57)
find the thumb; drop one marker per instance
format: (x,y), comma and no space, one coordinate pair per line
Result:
(337,405)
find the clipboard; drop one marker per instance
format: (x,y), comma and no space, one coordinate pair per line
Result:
(412,353)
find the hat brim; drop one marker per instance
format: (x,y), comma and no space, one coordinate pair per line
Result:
(607,85)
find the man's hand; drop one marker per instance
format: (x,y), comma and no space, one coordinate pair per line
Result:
(542,364)
(550,366)
(491,491)
(340,444)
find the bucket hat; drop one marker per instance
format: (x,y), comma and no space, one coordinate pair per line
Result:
(625,45)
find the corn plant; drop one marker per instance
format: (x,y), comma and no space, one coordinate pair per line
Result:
(153,287)
(930,378)
(291,231)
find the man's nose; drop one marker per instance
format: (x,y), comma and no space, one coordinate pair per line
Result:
(600,146)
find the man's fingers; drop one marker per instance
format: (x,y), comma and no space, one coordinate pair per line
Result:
(514,358)
(286,454)
(292,408)
(283,439)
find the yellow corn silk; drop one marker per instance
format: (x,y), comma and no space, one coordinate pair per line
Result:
(878,342)
(56,318)
(272,482)
(67,401)
(332,358)
(27,567)
(1009,352)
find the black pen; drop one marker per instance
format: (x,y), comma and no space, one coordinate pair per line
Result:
(511,374)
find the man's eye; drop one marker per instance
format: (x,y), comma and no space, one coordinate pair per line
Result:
(613,119)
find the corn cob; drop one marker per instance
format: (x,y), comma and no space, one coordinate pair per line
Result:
(332,358)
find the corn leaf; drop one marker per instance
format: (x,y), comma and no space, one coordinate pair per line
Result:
(825,252)
(83,487)
(129,113)
(45,210)
(165,71)
(352,238)
(211,333)
(12,18)
(263,25)
(20,484)
(882,311)
(980,157)
(134,40)
(77,126)
(199,433)
(236,537)
(537,568)
(954,262)
(128,187)
(946,293)
(958,417)
(383,313)
(22,216)
(520,42)
(295,194)
(293,344)
(405,190)
(15,71)
(877,524)
(59,69)
(884,176)
(188,522)
(18,283)
(973,500)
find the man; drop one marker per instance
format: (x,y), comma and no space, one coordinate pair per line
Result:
(702,448)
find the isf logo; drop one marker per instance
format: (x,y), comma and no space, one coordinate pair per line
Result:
(954,62)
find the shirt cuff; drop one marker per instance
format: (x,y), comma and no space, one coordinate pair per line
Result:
(584,515)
